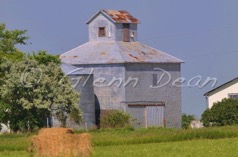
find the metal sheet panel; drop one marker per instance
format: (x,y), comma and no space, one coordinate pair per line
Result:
(121,16)
(137,116)
(87,101)
(117,16)
(154,116)
(110,52)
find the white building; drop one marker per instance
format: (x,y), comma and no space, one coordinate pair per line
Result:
(226,90)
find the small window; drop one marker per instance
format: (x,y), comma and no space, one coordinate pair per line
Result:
(155,79)
(233,96)
(101,32)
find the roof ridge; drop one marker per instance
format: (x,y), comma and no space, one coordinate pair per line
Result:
(74,49)
(226,83)
(182,61)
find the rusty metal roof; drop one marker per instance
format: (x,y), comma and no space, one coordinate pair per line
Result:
(111,52)
(117,16)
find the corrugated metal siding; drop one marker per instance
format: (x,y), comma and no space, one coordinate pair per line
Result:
(137,116)
(101,21)
(121,16)
(109,96)
(154,116)
(146,116)
(169,94)
(86,101)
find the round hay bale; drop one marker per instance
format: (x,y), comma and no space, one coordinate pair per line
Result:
(61,142)
(56,131)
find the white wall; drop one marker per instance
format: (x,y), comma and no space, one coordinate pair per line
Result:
(4,129)
(222,93)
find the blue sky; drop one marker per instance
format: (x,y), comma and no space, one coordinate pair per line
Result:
(204,33)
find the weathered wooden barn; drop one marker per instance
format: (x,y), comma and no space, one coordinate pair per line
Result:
(115,71)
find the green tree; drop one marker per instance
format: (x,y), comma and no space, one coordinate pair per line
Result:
(222,113)
(186,120)
(43,58)
(8,41)
(32,87)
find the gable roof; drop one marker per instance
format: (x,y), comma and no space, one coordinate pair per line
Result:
(221,86)
(116,52)
(117,16)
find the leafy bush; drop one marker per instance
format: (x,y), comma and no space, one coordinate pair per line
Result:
(222,113)
(114,119)
(186,120)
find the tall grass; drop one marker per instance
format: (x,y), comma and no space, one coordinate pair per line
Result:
(158,135)
(194,148)
(9,153)
(14,142)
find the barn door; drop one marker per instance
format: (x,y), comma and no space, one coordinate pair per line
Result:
(137,116)
(154,116)
(126,32)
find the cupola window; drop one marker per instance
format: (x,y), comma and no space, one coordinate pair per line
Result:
(101,32)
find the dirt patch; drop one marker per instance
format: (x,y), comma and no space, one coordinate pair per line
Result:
(60,142)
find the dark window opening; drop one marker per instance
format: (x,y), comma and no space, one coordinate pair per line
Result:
(101,32)
(155,79)
(97,111)
(126,32)
(233,96)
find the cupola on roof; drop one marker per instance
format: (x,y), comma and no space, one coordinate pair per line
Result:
(113,40)
(117,16)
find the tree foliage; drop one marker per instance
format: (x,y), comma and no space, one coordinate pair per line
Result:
(32,87)
(9,38)
(186,120)
(28,86)
(43,58)
(8,41)
(222,113)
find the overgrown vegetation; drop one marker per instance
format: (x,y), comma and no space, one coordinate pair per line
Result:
(32,87)
(186,120)
(158,135)
(114,119)
(222,113)
(194,148)
(112,142)
(14,142)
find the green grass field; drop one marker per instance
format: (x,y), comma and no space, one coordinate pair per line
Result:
(194,148)
(217,141)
